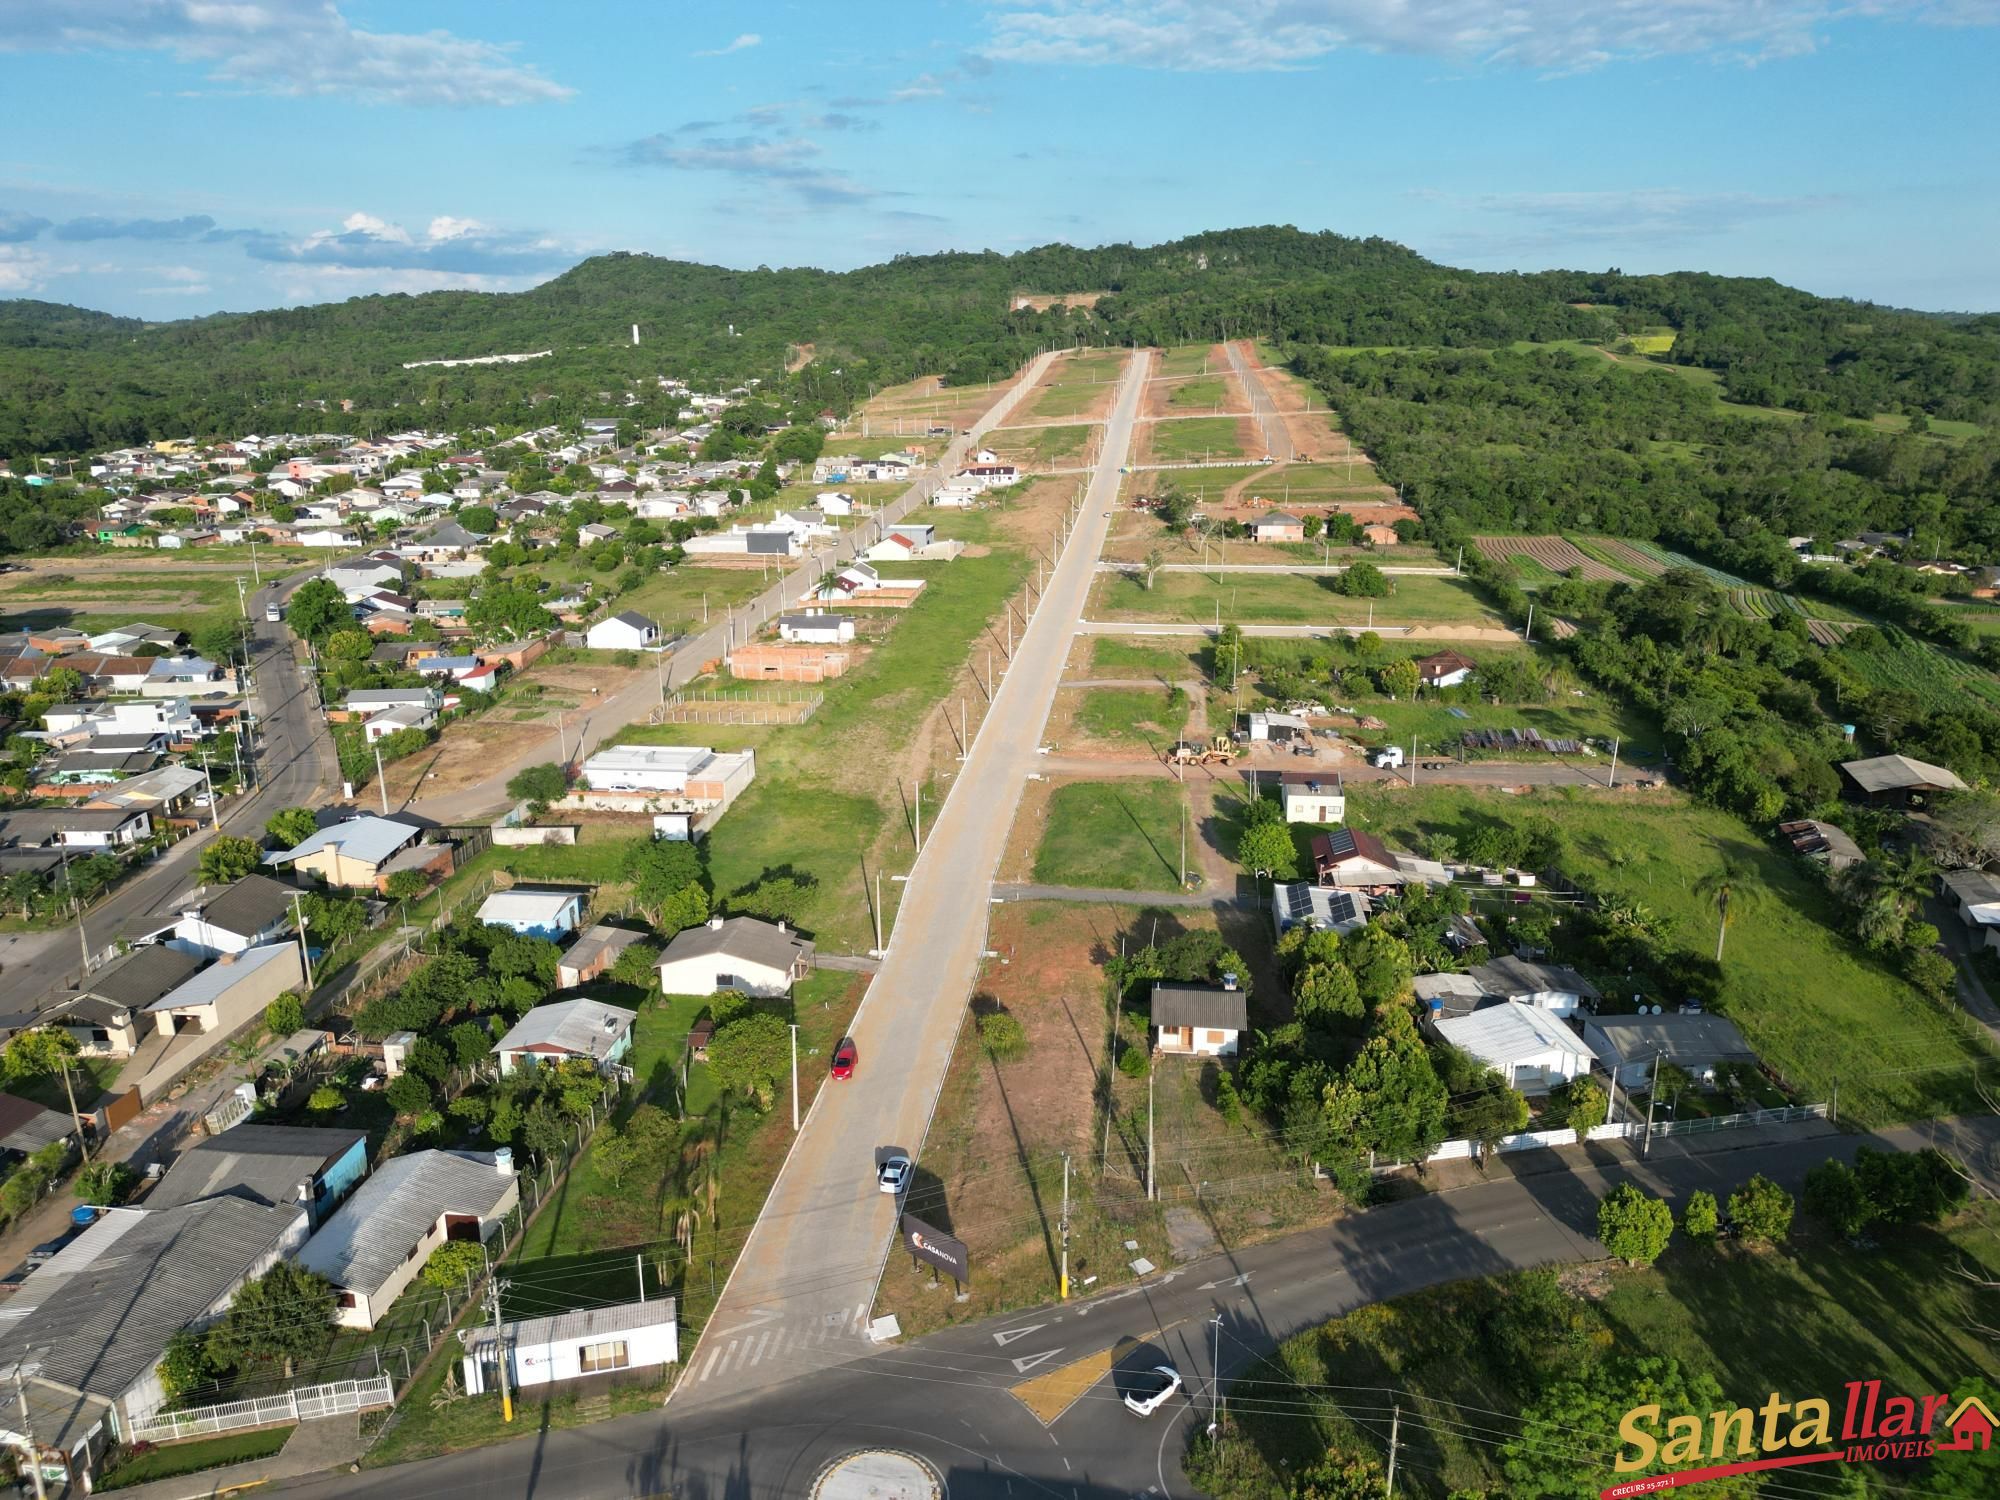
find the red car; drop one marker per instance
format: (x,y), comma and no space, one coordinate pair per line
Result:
(843,1058)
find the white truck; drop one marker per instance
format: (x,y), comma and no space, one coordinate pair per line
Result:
(1390,758)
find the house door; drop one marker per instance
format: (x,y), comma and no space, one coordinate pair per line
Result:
(1185,1038)
(461,1227)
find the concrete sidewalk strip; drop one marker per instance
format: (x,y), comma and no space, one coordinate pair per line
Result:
(316,1447)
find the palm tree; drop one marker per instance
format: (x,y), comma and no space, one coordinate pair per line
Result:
(1729,888)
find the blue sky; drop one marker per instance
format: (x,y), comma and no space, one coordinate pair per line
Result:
(173,157)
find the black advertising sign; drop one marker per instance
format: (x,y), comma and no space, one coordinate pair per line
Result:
(936,1248)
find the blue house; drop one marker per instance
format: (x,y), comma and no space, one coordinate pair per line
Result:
(270,1164)
(534,913)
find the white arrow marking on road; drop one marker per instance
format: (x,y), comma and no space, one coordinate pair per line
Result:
(1209,1286)
(759,1316)
(1028,1362)
(1008,1336)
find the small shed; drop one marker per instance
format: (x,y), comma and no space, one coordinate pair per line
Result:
(572,1346)
(1202,1020)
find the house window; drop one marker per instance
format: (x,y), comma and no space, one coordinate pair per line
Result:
(1217,1037)
(726,982)
(348,1299)
(594,1359)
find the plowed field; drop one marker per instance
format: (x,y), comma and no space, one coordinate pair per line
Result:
(1550,552)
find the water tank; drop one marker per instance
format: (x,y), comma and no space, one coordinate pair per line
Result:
(503,1159)
(83,1215)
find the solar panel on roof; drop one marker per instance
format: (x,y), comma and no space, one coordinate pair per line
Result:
(1298,901)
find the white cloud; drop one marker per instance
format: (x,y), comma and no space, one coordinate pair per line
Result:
(1548,35)
(288,47)
(1514,225)
(786,160)
(743,43)
(447,246)
(25,270)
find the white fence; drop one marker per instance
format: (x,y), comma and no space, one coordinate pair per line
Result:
(300,1405)
(1531,1140)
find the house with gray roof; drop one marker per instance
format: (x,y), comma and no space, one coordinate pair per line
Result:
(349,854)
(231,992)
(564,1029)
(376,1243)
(1201,1020)
(1694,1042)
(269,1164)
(252,911)
(104,1018)
(735,953)
(1555,988)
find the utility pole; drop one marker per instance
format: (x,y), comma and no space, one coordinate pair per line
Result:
(242,603)
(920,815)
(214,812)
(305,953)
(795,1078)
(1184,823)
(1395,1440)
(1652,1091)
(1150,1072)
(1614,761)
(1413,760)
(1529,633)
(381,778)
(1215,1379)
(1063,1288)
(494,1287)
(27,1434)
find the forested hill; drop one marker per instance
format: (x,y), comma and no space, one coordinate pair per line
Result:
(72,381)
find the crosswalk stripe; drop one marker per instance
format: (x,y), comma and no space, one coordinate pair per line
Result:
(757,1356)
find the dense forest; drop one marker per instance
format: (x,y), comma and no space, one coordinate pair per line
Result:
(72,381)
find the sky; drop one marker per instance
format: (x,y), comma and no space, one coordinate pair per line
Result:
(170,158)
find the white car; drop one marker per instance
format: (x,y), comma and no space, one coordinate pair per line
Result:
(894,1175)
(1151,1390)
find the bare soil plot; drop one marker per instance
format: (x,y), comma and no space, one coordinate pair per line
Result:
(1552,553)
(1043,301)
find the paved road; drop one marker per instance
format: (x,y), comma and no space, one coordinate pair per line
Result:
(946,1396)
(689,658)
(1317,570)
(295,763)
(810,1265)
(1277,437)
(1187,629)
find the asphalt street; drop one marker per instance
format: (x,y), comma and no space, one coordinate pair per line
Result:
(295,766)
(948,1396)
(810,1265)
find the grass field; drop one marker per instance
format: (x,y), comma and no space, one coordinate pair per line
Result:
(1301,484)
(1111,657)
(678,599)
(1938,679)
(1195,440)
(1800,1323)
(1199,394)
(1042,445)
(1122,836)
(1434,726)
(1132,718)
(1187,359)
(1284,599)
(1814,1005)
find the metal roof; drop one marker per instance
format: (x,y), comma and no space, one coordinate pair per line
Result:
(740,938)
(1702,1037)
(598,941)
(580,1326)
(1892,773)
(1517,976)
(584,1028)
(142,976)
(228,971)
(369,840)
(1501,1035)
(370,1237)
(1207,1005)
(249,906)
(526,906)
(263,1163)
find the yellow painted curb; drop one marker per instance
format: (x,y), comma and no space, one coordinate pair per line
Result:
(1049,1396)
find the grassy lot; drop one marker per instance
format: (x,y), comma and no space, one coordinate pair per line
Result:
(1042,445)
(1195,439)
(1436,727)
(1326,484)
(1200,394)
(1123,836)
(1132,718)
(1111,657)
(1291,599)
(673,597)
(89,1076)
(1188,359)
(1206,485)
(1800,1323)
(173,1459)
(1814,1005)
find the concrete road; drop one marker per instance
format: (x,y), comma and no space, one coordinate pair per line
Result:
(295,766)
(947,1397)
(810,1265)
(687,659)
(1277,438)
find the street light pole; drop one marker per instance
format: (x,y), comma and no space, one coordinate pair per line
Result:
(795,1078)
(305,953)
(1063,1289)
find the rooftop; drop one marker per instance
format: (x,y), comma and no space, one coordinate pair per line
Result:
(740,937)
(249,906)
(585,1325)
(526,906)
(1510,1033)
(370,1237)
(367,840)
(263,1163)
(584,1028)
(1699,1037)
(1207,1005)
(225,974)
(1517,976)
(1893,773)
(599,941)
(142,976)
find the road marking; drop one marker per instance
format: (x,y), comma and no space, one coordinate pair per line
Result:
(728,1355)
(1028,1362)
(1049,1395)
(1209,1286)
(763,1343)
(1008,1336)
(759,1316)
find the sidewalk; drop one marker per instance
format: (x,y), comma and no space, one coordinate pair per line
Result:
(314,1448)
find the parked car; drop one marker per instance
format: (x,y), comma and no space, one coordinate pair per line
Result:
(894,1175)
(844,1058)
(1151,1390)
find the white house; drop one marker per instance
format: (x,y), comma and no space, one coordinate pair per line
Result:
(1313,796)
(395,719)
(817,628)
(549,914)
(1530,1047)
(565,1029)
(1203,1020)
(625,631)
(251,912)
(1444,669)
(834,503)
(1976,897)
(571,1345)
(1551,987)
(735,953)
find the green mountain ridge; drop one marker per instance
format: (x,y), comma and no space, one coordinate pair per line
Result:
(73,380)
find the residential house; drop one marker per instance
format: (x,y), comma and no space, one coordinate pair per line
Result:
(248,914)
(1312,796)
(735,953)
(375,1244)
(325,536)
(1444,669)
(1303,904)
(684,779)
(1202,1020)
(1277,526)
(564,1029)
(625,631)
(394,720)
(1552,987)
(274,1165)
(1530,1047)
(230,993)
(593,954)
(1352,858)
(1975,895)
(76,827)
(103,1018)
(989,476)
(1899,780)
(1448,994)
(185,677)
(1375,534)
(457,668)
(364,702)
(817,628)
(833,503)
(351,853)
(1697,1043)
(903,543)
(26,1127)
(956,494)
(433,861)
(1277,728)
(570,1346)
(88,1328)
(1822,842)
(534,913)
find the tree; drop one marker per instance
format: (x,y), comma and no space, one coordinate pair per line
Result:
(544,783)
(1967,829)
(1542,1461)
(428,1059)
(1633,1225)
(408,1094)
(317,609)
(660,870)
(184,1366)
(1584,1106)
(1340,1476)
(1398,678)
(1229,651)
(348,645)
(510,610)
(1398,1102)
(1762,1211)
(637,965)
(284,1315)
(749,1056)
(1324,996)
(407,885)
(1381,964)
(104,1183)
(640,1148)
(291,826)
(776,898)
(40,1052)
(1725,888)
(1700,1219)
(1268,847)
(1834,1196)
(285,1015)
(480,520)
(325,1099)
(1363,580)
(1493,1112)
(453,1263)
(227,859)
(1155,560)
(332,919)
(470,1044)
(1004,1038)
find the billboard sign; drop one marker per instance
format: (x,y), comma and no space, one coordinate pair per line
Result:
(936,1248)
